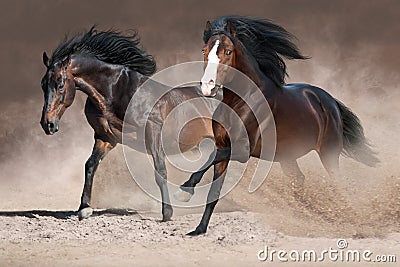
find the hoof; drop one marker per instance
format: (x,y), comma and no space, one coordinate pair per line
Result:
(166,219)
(85,213)
(167,214)
(182,196)
(197,232)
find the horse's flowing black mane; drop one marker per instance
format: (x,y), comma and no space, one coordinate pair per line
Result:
(108,46)
(265,41)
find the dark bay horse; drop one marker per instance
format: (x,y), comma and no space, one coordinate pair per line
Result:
(306,117)
(109,67)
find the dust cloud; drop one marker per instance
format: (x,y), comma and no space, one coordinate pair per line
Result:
(354,49)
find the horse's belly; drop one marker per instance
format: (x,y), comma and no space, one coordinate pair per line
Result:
(295,140)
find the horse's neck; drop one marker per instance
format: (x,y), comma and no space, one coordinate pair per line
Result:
(104,83)
(254,72)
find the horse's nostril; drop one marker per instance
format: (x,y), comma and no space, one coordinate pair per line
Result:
(50,125)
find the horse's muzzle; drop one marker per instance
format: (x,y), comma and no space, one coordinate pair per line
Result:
(210,89)
(215,90)
(50,127)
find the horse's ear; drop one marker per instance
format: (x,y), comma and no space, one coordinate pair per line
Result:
(208,26)
(45,59)
(231,29)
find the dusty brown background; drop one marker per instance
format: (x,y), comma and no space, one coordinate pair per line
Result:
(334,33)
(355,55)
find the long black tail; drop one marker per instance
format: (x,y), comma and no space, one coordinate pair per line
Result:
(355,145)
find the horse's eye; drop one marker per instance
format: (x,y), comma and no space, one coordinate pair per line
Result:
(202,51)
(228,52)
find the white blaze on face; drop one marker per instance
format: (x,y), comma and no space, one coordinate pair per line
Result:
(210,74)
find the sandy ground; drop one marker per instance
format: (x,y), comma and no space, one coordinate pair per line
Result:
(234,239)
(44,229)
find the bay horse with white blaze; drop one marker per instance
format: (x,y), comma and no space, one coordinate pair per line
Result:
(109,67)
(306,117)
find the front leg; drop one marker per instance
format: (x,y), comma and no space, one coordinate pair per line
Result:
(100,150)
(186,191)
(212,198)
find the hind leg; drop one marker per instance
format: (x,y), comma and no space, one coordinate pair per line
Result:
(332,144)
(153,141)
(333,191)
(330,161)
(329,155)
(292,170)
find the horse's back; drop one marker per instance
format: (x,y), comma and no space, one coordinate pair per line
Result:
(302,89)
